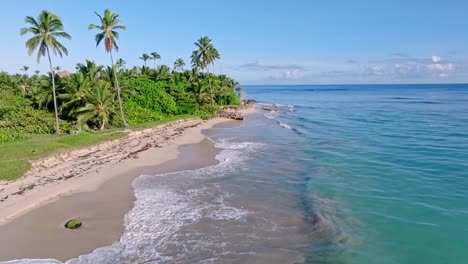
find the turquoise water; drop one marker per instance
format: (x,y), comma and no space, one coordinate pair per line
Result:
(338,175)
(392,162)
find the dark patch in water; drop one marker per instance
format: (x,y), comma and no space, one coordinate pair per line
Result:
(401,98)
(423,102)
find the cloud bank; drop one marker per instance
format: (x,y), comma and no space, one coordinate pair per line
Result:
(396,68)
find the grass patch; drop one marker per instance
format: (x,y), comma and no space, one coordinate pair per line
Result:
(15,156)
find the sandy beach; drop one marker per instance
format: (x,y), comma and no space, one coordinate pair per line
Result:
(93,183)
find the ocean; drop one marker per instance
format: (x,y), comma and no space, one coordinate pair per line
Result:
(338,174)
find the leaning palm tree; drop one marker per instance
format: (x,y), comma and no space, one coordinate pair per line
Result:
(144,58)
(46,29)
(179,64)
(109,25)
(155,56)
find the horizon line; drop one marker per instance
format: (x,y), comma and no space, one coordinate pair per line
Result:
(350,84)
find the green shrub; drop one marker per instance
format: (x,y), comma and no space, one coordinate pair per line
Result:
(30,120)
(151,95)
(135,114)
(229,98)
(17,114)
(207,111)
(8,135)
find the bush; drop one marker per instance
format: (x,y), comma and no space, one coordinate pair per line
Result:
(135,114)
(30,120)
(207,111)
(16,114)
(8,135)
(229,98)
(151,95)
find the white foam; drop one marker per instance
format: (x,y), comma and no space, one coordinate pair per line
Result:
(271,115)
(286,126)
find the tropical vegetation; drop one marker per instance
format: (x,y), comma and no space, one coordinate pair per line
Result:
(97,102)
(98,97)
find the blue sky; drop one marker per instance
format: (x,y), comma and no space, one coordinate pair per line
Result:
(268,42)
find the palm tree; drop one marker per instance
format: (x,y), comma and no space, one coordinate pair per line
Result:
(25,69)
(204,56)
(144,58)
(163,73)
(90,70)
(155,56)
(46,29)
(99,106)
(120,64)
(76,95)
(109,25)
(179,64)
(44,95)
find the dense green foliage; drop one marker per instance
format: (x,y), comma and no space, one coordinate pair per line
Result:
(88,100)
(95,97)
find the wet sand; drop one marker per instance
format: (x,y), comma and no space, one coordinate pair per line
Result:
(40,233)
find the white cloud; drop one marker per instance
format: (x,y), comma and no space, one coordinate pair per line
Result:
(260,65)
(435,58)
(437,67)
(288,75)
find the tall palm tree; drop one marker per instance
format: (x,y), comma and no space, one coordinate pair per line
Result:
(46,29)
(179,64)
(212,56)
(155,56)
(109,25)
(204,56)
(144,58)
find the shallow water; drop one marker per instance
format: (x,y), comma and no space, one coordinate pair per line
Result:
(340,174)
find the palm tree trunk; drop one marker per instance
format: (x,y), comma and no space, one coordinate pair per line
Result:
(209,81)
(57,128)
(118,91)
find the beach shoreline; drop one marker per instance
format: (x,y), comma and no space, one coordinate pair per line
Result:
(102,212)
(86,169)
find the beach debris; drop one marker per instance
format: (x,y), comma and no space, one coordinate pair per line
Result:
(249,103)
(134,154)
(73,223)
(231,112)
